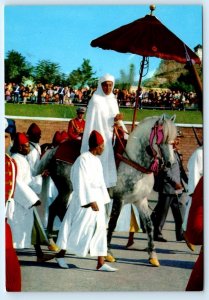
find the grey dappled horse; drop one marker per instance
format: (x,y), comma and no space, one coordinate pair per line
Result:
(133,185)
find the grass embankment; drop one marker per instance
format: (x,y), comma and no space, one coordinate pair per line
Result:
(68,112)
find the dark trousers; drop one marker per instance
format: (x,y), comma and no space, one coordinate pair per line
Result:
(61,98)
(160,213)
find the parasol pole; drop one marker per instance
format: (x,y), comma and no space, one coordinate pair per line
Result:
(152,8)
(198,83)
(197,80)
(138,90)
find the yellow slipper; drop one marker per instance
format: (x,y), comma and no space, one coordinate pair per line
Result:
(53,247)
(110,258)
(154,262)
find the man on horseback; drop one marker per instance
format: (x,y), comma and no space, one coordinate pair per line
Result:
(76,126)
(101,114)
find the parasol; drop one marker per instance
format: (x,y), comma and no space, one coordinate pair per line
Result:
(147,37)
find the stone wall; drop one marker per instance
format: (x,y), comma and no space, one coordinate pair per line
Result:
(187,145)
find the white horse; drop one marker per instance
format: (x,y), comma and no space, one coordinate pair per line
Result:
(150,141)
(134,185)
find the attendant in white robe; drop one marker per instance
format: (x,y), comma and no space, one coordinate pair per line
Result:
(101,114)
(195,172)
(33,157)
(83,229)
(48,186)
(25,199)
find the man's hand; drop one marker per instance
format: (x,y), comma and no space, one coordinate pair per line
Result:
(178,186)
(45,173)
(94,206)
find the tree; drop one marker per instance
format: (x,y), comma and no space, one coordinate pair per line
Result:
(82,76)
(16,67)
(126,80)
(48,72)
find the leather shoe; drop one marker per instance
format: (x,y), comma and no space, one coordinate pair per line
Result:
(180,238)
(160,238)
(45,257)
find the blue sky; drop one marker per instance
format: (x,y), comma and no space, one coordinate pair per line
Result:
(62,34)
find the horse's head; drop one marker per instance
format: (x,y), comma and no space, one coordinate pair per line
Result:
(166,132)
(152,138)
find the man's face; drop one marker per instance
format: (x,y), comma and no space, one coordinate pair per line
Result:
(80,115)
(100,149)
(24,149)
(107,87)
(7,141)
(35,138)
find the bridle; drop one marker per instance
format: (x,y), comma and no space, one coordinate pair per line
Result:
(156,131)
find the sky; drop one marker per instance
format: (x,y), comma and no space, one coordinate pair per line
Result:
(64,37)
(63,33)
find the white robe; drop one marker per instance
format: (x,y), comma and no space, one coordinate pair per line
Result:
(84,230)
(195,172)
(24,196)
(34,157)
(124,219)
(195,168)
(100,115)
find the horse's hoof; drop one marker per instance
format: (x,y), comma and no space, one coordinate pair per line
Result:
(110,258)
(154,262)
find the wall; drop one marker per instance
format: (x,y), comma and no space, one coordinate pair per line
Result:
(187,145)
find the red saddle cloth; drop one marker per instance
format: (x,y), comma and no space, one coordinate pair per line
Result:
(68,151)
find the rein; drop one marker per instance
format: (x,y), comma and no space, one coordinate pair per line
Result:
(157,131)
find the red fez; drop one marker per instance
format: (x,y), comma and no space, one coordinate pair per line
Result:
(59,137)
(95,139)
(21,139)
(33,130)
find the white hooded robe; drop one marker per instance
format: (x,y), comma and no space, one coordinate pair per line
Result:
(100,115)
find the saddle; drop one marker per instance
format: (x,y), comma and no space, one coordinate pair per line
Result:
(68,151)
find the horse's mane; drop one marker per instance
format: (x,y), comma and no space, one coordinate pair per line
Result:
(139,137)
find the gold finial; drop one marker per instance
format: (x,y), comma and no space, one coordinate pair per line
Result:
(152,8)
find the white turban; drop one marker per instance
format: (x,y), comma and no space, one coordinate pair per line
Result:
(106,77)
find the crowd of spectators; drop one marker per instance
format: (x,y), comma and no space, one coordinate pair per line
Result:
(46,94)
(162,99)
(49,93)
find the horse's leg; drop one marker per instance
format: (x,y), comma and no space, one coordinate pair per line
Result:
(60,174)
(116,208)
(143,209)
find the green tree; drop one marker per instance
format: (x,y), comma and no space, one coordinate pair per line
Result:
(16,67)
(126,79)
(48,72)
(82,76)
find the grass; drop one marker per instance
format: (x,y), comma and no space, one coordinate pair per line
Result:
(67,111)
